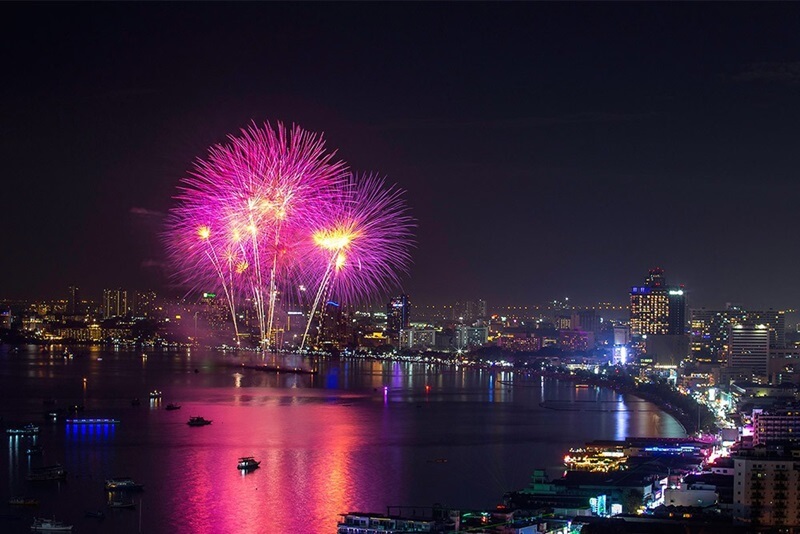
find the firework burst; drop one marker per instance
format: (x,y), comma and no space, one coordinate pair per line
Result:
(271,211)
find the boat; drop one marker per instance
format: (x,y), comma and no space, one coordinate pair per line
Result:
(34,450)
(247,463)
(50,472)
(198,421)
(123,484)
(173,406)
(93,421)
(136,402)
(27,430)
(155,394)
(49,525)
(22,501)
(121,504)
(99,514)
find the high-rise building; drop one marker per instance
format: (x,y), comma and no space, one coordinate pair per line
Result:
(764,484)
(657,309)
(709,329)
(776,426)
(776,323)
(115,303)
(470,336)
(586,320)
(73,301)
(144,303)
(397,316)
(749,348)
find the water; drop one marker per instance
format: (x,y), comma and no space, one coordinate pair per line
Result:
(357,436)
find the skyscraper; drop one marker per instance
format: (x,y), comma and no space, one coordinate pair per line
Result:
(115,303)
(73,300)
(657,309)
(397,315)
(749,348)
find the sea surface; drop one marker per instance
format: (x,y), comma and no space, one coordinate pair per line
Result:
(358,435)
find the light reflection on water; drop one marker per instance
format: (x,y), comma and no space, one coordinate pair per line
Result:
(357,436)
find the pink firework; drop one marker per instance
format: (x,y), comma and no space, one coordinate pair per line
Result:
(365,243)
(235,209)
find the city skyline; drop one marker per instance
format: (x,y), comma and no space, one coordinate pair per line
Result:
(557,151)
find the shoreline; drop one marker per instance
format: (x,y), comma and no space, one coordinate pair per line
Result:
(689,426)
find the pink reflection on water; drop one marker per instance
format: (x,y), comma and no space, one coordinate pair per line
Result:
(306,478)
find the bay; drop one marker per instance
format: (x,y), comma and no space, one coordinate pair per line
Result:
(358,435)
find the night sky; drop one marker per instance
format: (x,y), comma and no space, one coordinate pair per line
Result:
(548,150)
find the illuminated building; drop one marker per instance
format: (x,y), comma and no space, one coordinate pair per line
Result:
(397,316)
(622,335)
(749,348)
(470,336)
(115,303)
(73,301)
(575,340)
(144,303)
(586,320)
(418,338)
(776,425)
(657,309)
(709,329)
(765,480)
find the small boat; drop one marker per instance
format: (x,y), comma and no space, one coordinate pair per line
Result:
(155,394)
(123,484)
(198,421)
(22,501)
(76,408)
(247,463)
(99,514)
(171,406)
(121,504)
(34,450)
(438,461)
(49,525)
(50,472)
(27,430)
(136,402)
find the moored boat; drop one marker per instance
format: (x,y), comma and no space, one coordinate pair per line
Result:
(50,472)
(34,450)
(155,394)
(93,421)
(172,406)
(49,525)
(123,484)
(198,421)
(99,514)
(247,463)
(27,430)
(121,504)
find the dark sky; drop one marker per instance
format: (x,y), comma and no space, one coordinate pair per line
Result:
(548,150)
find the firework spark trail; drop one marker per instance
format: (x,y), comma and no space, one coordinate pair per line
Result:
(212,256)
(309,224)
